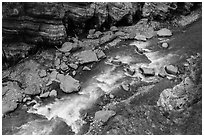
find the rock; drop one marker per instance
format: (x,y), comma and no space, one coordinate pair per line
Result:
(44,95)
(165,45)
(162,73)
(74,73)
(8,106)
(92,31)
(26,99)
(16,51)
(147,71)
(113,29)
(130,71)
(97,34)
(12,95)
(74,66)
(170,69)
(68,84)
(164,32)
(140,38)
(100,54)
(86,56)
(57,62)
(64,58)
(42,73)
(67,54)
(116,62)
(125,87)
(63,66)
(111,96)
(53,93)
(31,102)
(86,68)
(104,115)
(66,47)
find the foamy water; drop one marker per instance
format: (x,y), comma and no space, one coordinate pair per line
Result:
(68,108)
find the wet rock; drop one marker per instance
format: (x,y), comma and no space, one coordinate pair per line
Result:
(68,84)
(170,69)
(26,99)
(33,102)
(140,38)
(86,56)
(104,115)
(86,68)
(111,96)
(74,66)
(64,66)
(164,32)
(125,86)
(42,73)
(44,95)
(147,71)
(100,54)
(74,73)
(165,45)
(113,29)
(53,93)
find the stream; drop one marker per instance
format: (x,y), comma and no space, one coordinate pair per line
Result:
(63,116)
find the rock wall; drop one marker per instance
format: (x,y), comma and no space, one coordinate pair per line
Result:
(33,25)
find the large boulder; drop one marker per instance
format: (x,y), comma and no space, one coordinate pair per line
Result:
(86,56)
(68,84)
(11,95)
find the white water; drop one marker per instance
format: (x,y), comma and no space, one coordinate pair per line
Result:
(68,108)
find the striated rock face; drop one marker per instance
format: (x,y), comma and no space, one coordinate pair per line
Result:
(51,22)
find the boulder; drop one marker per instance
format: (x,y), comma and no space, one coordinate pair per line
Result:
(86,68)
(164,32)
(92,31)
(125,87)
(72,65)
(44,95)
(140,37)
(113,29)
(86,56)
(165,45)
(53,93)
(100,54)
(170,69)
(12,95)
(147,71)
(104,115)
(68,84)
(64,66)
(130,71)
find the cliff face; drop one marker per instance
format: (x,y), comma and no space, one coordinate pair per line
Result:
(52,22)
(28,26)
